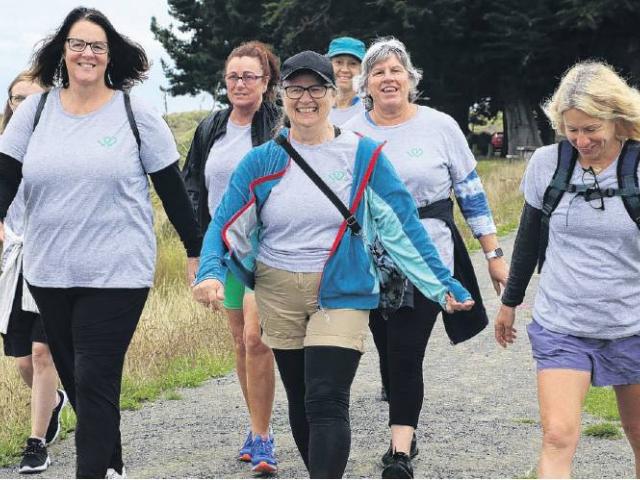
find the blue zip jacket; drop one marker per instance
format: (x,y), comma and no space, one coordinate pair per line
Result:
(349,278)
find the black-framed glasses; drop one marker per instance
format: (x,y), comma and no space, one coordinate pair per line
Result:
(16,100)
(248,78)
(78,45)
(593,195)
(295,92)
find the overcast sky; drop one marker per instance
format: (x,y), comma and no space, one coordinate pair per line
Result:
(24,22)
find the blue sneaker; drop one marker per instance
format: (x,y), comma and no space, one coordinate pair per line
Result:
(263,455)
(244,455)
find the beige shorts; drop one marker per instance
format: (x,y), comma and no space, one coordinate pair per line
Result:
(289,315)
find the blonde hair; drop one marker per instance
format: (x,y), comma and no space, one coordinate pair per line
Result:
(25,76)
(597,90)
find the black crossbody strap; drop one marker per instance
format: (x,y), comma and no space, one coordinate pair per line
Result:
(131,118)
(39,108)
(352,223)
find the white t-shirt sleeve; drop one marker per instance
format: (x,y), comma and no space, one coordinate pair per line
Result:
(461,160)
(538,175)
(157,146)
(15,139)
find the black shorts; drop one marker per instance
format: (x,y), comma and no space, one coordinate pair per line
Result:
(24,328)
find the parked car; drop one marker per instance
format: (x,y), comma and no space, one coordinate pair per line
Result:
(496,144)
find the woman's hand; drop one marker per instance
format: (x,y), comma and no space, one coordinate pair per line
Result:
(210,293)
(455,306)
(1,232)
(504,331)
(192,269)
(499,273)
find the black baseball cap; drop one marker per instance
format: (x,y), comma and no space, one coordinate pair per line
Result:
(309,61)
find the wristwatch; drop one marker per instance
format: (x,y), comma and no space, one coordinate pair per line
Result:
(497,253)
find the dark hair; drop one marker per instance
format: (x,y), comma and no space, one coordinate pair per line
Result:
(269,62)
(127,60)
(25,76)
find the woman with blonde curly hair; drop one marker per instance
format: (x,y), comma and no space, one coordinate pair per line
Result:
(581,219)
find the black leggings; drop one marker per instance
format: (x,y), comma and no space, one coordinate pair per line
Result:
(89,331)
(318,385)
(401,341)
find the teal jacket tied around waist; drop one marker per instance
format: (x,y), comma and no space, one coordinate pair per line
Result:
(349,278)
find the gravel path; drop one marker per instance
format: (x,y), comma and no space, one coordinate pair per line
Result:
(479,420)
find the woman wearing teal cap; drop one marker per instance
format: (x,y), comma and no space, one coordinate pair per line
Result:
(346,55)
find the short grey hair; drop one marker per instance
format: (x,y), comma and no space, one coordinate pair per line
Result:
(379,51)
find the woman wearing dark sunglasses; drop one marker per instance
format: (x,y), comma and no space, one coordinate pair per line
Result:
(586,321)
(251,75)
(83,152)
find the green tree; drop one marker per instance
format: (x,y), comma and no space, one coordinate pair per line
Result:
(206,33)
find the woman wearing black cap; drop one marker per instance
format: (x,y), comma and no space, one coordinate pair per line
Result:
(313,274)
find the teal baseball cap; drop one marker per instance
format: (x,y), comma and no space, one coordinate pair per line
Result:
(347,46)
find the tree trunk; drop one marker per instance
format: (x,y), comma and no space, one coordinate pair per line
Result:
(520,123)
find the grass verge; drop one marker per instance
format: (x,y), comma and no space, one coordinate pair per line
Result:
(606,430)
(601,402)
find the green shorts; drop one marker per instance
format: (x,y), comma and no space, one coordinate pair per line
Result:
(234,291)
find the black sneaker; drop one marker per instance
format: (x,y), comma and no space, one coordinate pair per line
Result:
(35,458)
(399,467)
(54,424)
(388,455)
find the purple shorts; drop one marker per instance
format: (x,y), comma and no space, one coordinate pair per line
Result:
(611,362)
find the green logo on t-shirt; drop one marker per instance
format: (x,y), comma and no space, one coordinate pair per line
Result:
(415,152)
(108,141)
(338,175)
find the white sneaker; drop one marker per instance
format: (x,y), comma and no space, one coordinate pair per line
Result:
(112,473)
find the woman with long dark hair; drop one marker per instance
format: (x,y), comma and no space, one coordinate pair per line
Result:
(83,152)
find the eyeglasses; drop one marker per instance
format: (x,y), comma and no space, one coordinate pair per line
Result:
(78,45)
(16,100)
(593,195)
(248,78)
(295,92)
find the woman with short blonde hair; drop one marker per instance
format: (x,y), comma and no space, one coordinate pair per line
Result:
(597,90)
(579,223)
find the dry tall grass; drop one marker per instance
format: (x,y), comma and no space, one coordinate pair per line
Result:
(501,180)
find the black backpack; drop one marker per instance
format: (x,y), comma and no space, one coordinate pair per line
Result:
(628,188)
(127,107)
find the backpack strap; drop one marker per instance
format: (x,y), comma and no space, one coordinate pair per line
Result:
(131,118)
(39,108)
(628,178)
(567,158)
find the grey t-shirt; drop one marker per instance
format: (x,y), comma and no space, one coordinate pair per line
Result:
(15,214)
(590,283)
(89,220)
(430,154)
(224,156)
(299,222)
(340,116)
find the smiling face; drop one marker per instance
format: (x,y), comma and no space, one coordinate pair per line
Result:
(594,138)
(245,94)
(307,112)
(389,85)
(345,69)
(86,68)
